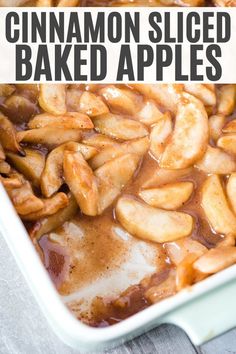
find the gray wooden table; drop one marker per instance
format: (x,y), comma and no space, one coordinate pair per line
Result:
(24,330)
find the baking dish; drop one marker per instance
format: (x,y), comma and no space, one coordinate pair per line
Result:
(204,311)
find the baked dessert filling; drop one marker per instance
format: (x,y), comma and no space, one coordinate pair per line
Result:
(127,191)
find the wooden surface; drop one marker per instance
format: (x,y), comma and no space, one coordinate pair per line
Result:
(24,330)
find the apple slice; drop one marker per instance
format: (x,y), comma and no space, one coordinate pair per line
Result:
(215,260)
(216,207)
(159,135)
(113,176)
(135,146)
(190,137)
(166,95)
(51,137)
(52,176)
(169,197)
(92,105)
(226,99)
(178,250)
(203,92)
(228,143)
(52,98)
(152,224)
(115,126)
(231,191)
(81,181)
(70,120)
(216,161)
(51,206)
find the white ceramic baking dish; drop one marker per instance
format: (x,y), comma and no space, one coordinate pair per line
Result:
(203,311)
